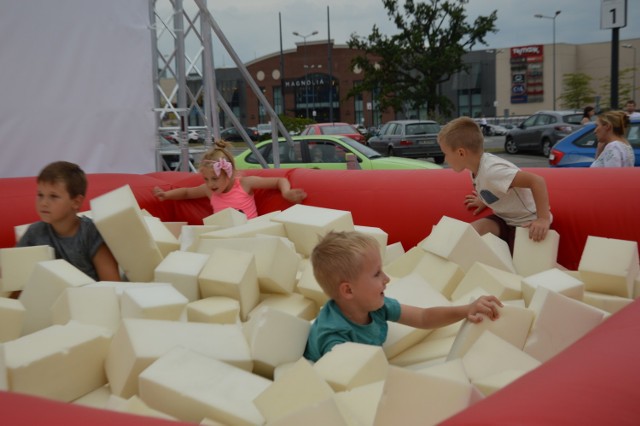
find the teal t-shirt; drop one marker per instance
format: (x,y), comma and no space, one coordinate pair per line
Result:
(331,328)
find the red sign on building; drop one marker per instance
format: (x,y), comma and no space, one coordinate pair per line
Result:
(526,74)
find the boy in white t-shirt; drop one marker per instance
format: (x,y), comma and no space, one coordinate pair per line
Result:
(517,198)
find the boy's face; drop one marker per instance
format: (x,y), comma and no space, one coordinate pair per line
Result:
(453,157)
(368,289)
(54,204)
(217,184)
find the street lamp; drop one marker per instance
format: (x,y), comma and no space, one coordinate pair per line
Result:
(306,86)
(633,91)
(553,18)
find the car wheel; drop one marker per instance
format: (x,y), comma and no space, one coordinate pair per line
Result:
(510,146)
(438,160)
(546,147)
(390,152)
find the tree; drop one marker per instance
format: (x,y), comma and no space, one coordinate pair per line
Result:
(577,91)
(407,67)
(625,88)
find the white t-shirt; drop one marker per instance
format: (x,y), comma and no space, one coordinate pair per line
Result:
(616,154)
(515,205)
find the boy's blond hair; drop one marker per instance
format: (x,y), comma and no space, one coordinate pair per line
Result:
(338,258)
(462,132)
(220,149)
(70,174)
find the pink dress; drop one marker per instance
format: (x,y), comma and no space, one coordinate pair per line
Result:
(236,198)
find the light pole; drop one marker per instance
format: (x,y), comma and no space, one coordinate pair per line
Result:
(306,87)
(553,18)
(633,91)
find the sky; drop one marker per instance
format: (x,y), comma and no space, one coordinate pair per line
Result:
(252,26)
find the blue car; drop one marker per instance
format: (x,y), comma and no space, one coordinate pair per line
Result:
(579,148)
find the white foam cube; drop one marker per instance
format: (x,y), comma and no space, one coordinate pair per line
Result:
(502,284)
(459,242)
(426,350)
(442,274)
(88,305)
(231,273)
(349,365)
(275,338)
(309,287)
(135,405)
(97,398)
(220,310)
(531,257)
(555,280)
(139,342)
(491,354)
(360,402)
(153,302)
(191,386)
(249,229)
(48,280)
(163,237)
(296,388)
(501,248)
(181,269)
(175,228)
(326,412)
(609,266)
(378,234)
(11,319)
(606,302)
(512,325)
(392,252)
(559,322)
(191,234)
(19,230)
(226,218)
(17,263)
(305,225)
(276,261)
(117,216)
(406,263)
(490,384)
(293,304)
(61,362)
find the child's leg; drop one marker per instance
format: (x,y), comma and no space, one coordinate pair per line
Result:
(497,226)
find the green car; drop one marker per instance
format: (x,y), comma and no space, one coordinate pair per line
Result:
(328,153)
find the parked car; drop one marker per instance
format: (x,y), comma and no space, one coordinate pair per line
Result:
(326,152)
(541,131)
(342,129)
(173,136)
(171,153)
(264,129)
(408,138)
(231,134)
(579,148)
(496,130)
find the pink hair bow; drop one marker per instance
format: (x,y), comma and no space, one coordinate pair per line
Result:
(220,165)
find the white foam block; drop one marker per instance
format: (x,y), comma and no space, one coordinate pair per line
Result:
(360,402)
(17,263)
(97,398)
(139,342)
(181,270)
(88,305)
(531,257)
(559,322)
(513,326)
(61,362)
(231,273)
(117,216)
(298,387)
(293,304)
(163,237)
(191,386)
(490,384)
(349,365)
(219,310)
(502,284)
(47,281)
(426,350)
(609,266)
(606,302)
(305,225)
(11,319)
(406,263)
(191,234)
(410,290)
(442,274)
(377,233)
(458,242)
(276,261)
(392,252)
(555,280)
(491,354)
(226,218)
(275,338)
(309,287)
(153,302)
(416,398)
(175,228)
(324,413)
(249,229)
(135,405)
(501,248)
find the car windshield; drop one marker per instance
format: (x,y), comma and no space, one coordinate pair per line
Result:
(337,130)
(362,149)
(422,128)
(572,118)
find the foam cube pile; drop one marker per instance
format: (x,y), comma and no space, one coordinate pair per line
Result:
(211,325)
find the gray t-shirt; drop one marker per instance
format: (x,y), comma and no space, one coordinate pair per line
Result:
(78,250)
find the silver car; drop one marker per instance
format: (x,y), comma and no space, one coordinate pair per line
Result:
(408,138)
(541,131)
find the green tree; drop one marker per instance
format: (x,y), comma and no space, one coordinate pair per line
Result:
(625,88)
(577,91)
(406,68)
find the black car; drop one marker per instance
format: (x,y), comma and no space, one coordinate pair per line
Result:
(409,138)
(231,134)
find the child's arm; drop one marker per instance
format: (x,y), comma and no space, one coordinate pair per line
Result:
(295,196)
(106,265)
(538,228)
(444,315)
(181,193)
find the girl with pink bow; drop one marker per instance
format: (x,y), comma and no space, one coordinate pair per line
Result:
(227,190)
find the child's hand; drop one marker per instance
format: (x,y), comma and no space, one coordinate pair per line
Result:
(484,306)
(472,201)
(159,193)
(294,195)
(538,229)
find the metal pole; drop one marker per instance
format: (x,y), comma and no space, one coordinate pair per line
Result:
(553,18)
(304,65)
(330,48)
(615,37)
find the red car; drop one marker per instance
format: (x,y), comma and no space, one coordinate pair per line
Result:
(342,129)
